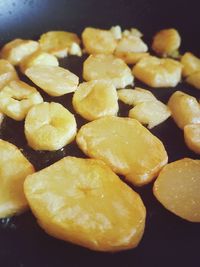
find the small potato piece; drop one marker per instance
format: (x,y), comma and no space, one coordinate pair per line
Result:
(135,96)
(49,126)
(18,49)
(190,63)
(177,188)
(166,42)
(98,41)
(132,32)
(125,145)
(59,43)
(95,99)
(157,72)
(108,68)
(14,168)
(16,98)
(38,58)
(7,73)
(55,81)
(150,113)
(185,109)
(116,32)
(192,137)
(194,79)
(82,201)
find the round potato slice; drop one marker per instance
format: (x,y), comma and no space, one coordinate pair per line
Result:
(125,145)
(49,126)
(14,168)
(177,188)
(192,137)
(84,202)
(95,99)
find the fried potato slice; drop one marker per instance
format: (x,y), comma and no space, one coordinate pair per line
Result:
(192,137)
(14,168)
(157,72)
(177,188)
(7,73)
(194,79)
(184,108)
(49,126)
(95,99)
(84,202)
(16,98)
(190,63)
(55,81)
(125,145)
(108,68)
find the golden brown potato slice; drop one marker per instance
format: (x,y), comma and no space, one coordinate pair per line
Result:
(97,41)
(157,72)
(194,79)
(7,73)
(177,188)
(184,108)
(49,126)
(18,49)
(125,145)
(14,168)
(55,81)
(95,99)
(166,42)
(84,202)
(16,98)
(190,63)
(108,68)
(192,137)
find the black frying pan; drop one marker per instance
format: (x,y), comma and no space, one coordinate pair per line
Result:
(168,240)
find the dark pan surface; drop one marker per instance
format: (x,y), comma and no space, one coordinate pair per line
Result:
(168,240)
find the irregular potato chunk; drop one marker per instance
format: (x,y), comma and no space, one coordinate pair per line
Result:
(185,109)
(59,43)
(177,188)
(150,113)
(16,98)
(108,68)
(132,32)
(192,137)
(38,58)
(89,206)
(49,126)
(135,96)
(98,41)
(125,145)
(55,81)
(18,49)
(166,42)
(7,73)
(194,79)
(190,63)
(157,72)
(95,99)
(116,31)
(14,168)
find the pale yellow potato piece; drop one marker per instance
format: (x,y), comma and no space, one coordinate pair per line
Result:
(184,108)
(49,126)
(18,49)
(166,42)
(14,168)
(177,188)
(38,58)
(55,81)
(132,32)
(150,113)
(108,68)
(116,32)
(82,201)
(157,72)
(16,98)
(125,145)
(190,63)
(59,43)
(130,57)
(97,41)
(194,79)
(135,96)
(7,73)
(95,99)
(192,137)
